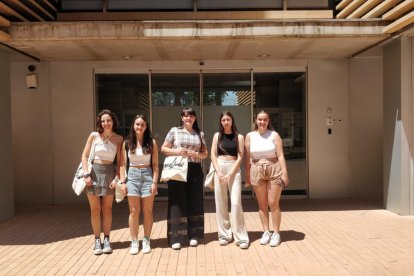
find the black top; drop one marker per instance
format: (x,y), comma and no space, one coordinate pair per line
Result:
(228,145)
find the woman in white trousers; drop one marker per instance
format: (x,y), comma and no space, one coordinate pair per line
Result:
(226,157)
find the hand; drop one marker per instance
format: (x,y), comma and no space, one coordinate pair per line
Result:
(192,153)
(285,180)
(113,183)
(248,183)
(154,188)
(182,151)
(88,181)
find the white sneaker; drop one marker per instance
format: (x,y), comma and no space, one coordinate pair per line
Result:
(223,241)
(265,238)
(97,250)
(244,245)
(146,246)
(193,242)
(275,240)
(176,246)
(134,249)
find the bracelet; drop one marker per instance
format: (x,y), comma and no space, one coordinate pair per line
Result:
(86,175)
(122,182)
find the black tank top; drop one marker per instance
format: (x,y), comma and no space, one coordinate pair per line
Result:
(228,145)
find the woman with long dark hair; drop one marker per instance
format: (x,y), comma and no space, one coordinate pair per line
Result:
(101,181)
(266,171)
(226,157)
(140,156)
(185,199)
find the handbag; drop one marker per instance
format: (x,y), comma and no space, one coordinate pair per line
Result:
(175,167)
(78,183)
(209,180)
(119,195)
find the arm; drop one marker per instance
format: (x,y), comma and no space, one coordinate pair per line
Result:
(122,169)
(85,156)
(247,152)
(154,157)
(167,147)
(119,160)
(213,156)
(281,157)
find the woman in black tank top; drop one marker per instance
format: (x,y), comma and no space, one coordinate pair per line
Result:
(226,157)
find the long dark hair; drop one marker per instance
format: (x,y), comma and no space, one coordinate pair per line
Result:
(147,144)
(189,111)
(233,130)
(269,125)
(99,127)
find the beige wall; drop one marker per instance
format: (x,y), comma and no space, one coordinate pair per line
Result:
(62,110)
(328,87)
(366,127)
(6,164)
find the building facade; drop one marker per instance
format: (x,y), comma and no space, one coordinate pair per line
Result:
(338,86)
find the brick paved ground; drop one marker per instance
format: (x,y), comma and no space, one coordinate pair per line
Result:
(319,237)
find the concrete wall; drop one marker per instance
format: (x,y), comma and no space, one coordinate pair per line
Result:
(61,112)
(328,87)
(398,126)
(366,127)
(6,158)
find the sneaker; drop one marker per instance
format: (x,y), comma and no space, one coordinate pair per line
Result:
(98,247)
(265,238)
(146,246)
(275,240)
(244,245)
(176,246)
(223,241)
(193,242)
(107,249)
(134,249)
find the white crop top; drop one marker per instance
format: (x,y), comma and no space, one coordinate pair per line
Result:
(138,158)
(105,151)
(262,146)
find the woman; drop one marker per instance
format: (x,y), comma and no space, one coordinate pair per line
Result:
(101,181)
(185,199)
(141,153)
(226,156)
(266,171)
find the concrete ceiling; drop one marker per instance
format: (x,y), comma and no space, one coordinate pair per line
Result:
(154,41)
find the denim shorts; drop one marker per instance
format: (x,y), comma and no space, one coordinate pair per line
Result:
(139,182)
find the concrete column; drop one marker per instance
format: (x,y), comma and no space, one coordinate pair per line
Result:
(6,159)
(398,126)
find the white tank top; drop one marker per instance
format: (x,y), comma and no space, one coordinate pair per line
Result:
(138,158)
(262,146)
(105,151)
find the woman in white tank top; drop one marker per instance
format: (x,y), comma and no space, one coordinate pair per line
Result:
(266,171)
(101,181)
(140,156)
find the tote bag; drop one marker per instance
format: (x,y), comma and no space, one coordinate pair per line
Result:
(175,167)
(78,183)
(209,180)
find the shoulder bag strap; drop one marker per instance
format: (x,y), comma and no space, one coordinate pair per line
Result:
(92,151)
(176,140)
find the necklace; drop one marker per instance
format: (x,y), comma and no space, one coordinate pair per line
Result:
(106,138)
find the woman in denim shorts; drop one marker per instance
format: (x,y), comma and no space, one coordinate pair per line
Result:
(266,171)
(140,155)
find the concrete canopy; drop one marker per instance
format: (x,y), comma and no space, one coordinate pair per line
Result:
(194,40)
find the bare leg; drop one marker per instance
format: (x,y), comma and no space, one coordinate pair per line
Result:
(134,210)
(274,192)
(107,214)
(262,200)
(147,206)
(95,205)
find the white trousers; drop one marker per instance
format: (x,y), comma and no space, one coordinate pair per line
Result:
(233,225)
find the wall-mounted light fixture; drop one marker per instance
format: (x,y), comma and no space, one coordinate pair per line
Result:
(31,78)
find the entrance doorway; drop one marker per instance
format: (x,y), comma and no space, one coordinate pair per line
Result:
(162,96)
